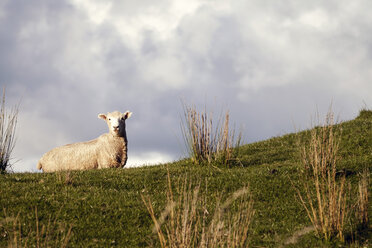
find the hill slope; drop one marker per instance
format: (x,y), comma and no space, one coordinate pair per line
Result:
(104,208)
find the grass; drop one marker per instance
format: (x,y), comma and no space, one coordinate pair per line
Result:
(207,142)
(50,235)
(185,218)
(105,207)
(8,124)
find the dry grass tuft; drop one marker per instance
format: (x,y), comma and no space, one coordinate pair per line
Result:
(8,123)
(186,221)
(363,201)
(319,157)
(206,143)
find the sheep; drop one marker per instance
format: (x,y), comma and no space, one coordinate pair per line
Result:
(107,151)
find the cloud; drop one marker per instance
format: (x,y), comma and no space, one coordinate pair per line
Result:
(150,158)
(271,63)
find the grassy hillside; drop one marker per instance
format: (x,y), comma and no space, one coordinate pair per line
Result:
(103,208)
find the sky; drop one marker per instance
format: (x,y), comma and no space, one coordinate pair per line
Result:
(271,63)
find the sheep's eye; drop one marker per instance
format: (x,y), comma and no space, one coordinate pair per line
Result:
(109,119)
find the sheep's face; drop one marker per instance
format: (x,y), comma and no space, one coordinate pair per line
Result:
(116,122)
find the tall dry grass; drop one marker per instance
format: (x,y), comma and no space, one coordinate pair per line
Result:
(209,142)
(8,123)
(320,155)
(363,199)
(41,236)
(187,222)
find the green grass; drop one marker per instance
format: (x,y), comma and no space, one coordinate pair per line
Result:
(104,207)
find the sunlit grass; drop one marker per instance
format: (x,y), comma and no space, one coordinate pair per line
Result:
(105,207)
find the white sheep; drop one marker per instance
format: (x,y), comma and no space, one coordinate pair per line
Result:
(107,151)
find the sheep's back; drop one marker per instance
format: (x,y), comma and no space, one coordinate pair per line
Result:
(77,156)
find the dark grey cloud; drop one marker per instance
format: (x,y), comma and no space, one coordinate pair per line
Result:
(270,63)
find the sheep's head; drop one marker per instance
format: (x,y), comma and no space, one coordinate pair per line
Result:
(116,122)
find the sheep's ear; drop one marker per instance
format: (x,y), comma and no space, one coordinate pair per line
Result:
(127,114)
(102,116)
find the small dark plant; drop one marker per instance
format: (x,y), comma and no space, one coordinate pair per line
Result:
(65,177)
